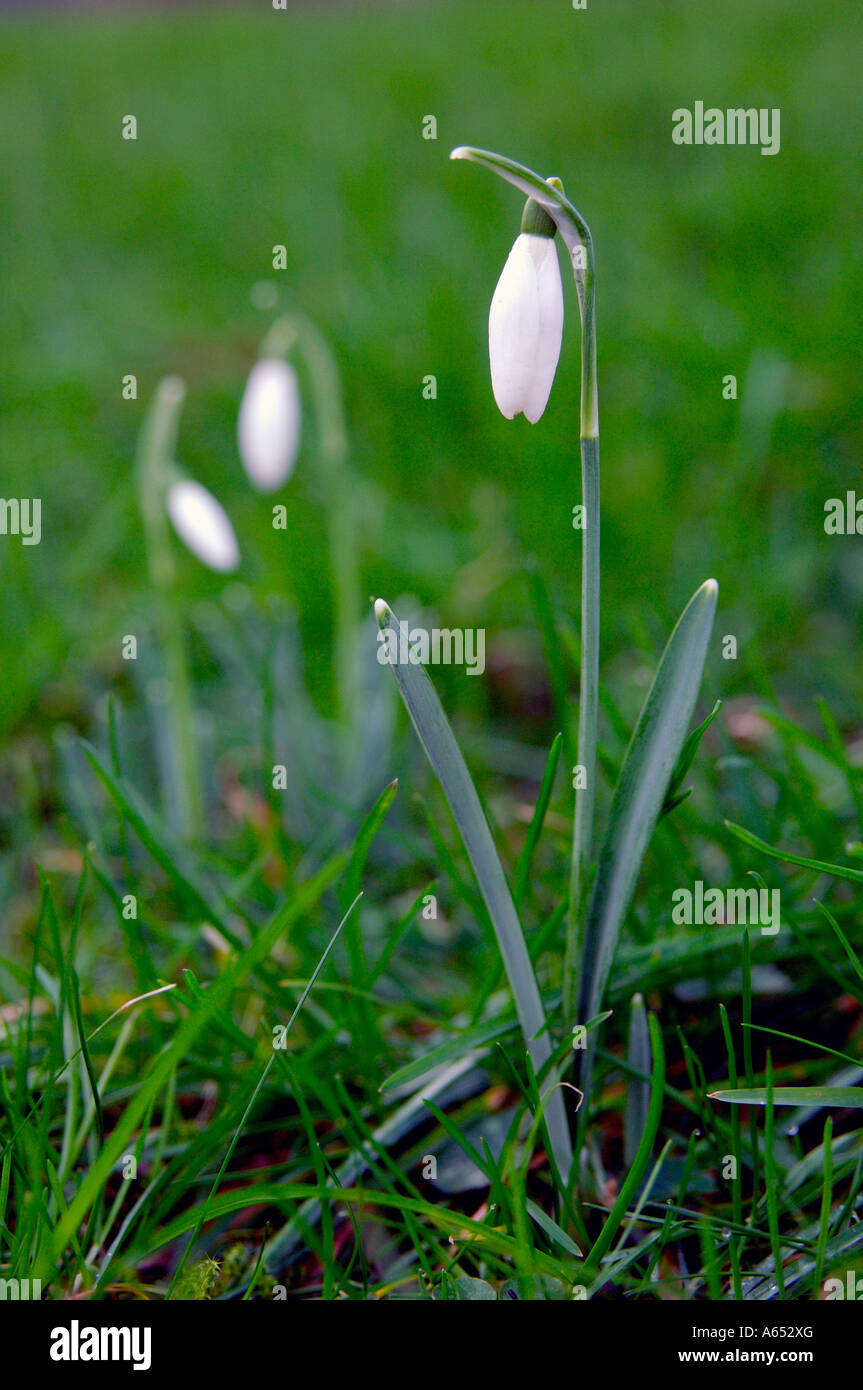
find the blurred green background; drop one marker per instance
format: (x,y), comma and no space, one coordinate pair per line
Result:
(305,128)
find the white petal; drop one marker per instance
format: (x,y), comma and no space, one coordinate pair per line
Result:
(550,326)
(525,326)
(513,329)
(268,428)
(202,524)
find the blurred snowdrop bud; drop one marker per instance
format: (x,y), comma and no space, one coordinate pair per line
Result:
(525,322)
(268,428)
(202,524)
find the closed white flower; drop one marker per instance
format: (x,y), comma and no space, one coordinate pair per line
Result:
(268,428)
(525,327)
(202,524)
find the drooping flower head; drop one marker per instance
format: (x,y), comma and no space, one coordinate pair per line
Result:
(525,322)
(268,428)
(202,524)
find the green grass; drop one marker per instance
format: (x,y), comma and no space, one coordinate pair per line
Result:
(149,1036)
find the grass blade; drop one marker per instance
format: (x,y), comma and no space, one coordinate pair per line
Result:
(826,1199)
(642,1158)
(846,1097)
(637,1090)
(675,793)
(818,865)
(771,1181)
(522,873)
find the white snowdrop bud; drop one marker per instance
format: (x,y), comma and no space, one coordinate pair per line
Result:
(268,428)
(525,322)
(201,523)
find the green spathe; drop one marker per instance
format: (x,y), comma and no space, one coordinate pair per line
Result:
(536,221)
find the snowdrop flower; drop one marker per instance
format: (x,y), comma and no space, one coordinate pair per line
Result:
(202,524)
(525,322)
(268,428)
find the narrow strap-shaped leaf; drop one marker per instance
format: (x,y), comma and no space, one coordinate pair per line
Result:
(445,756)
(367,1032)
(522,872)
(638,797)
(629,1186)
(637,1087)
(675,794)
(848,1097)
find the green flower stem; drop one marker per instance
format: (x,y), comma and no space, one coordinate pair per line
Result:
(588,713)
(333,443)
(588,704)
(576,236)
(155,465)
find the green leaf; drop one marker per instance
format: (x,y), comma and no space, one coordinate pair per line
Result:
(458,1046)
(366,1032)
(522,873)
(552,1230)
(651,758)
(675,795)
(629,1187)
(88,1065)
(471,1040)
(363,843)
(445,756)
(471,1290)
(848,1097)
(771,1180)
(836,870)
(637,1087)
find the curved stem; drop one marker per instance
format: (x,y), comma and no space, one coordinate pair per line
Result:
(588,704)
(155,457)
